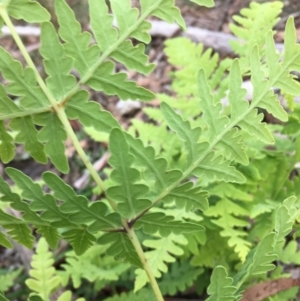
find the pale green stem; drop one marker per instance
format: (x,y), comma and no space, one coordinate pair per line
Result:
(64,120)
(132,236)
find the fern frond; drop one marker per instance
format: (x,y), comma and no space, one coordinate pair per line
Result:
(7,105)
(57,65)
(90,113)
(164,251)
(7,147)
(165,225)
(252,124)
(54,136)
(17,229)
(104,79)
(226,209)
(39,202)
(128,195)
(93,265)
(77,44)
(43,280)
(154,169)
(221,288)
(22,82)
(215,168)
(78,208)
(5,242)
(120,247)
(156,137)
(190,58)
(80,239)
(8,279)
(28,10)
(171,284)
(28,135)
(163,9)
(188,196)
(189,136)
(251,27)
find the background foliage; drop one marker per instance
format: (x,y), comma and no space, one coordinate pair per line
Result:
(200,187)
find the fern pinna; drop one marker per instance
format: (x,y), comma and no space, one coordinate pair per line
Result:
(36,112)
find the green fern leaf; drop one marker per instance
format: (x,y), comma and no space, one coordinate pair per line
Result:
(163,9)
(57,65)
(27,134)
(39,202)
(127,194)
(92,268)
(5,242)
(221,288)
(252,123)
(105,79)
(291,48)
(189,57)
(127,17)
(7,147)
(101,25)
(164,251)
(251,29)
(258,260)
(43,279)
(215,168)
(185,133)
(80,240)
(8,280)
(172,284)
(285,81)
(226,208)
(165,225)
(233,147)
(133,57)
(77,206)
(120,247)
(231,141)
(77,43)
(22,82)
(7,105)
(188,196)
(53,135)
(50,234)
(19,205)
(28,10)
(269,101)
(211,110)
(89,113)
(17,229)
(154,169)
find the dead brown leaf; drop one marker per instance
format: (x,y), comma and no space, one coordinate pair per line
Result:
(269,288)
